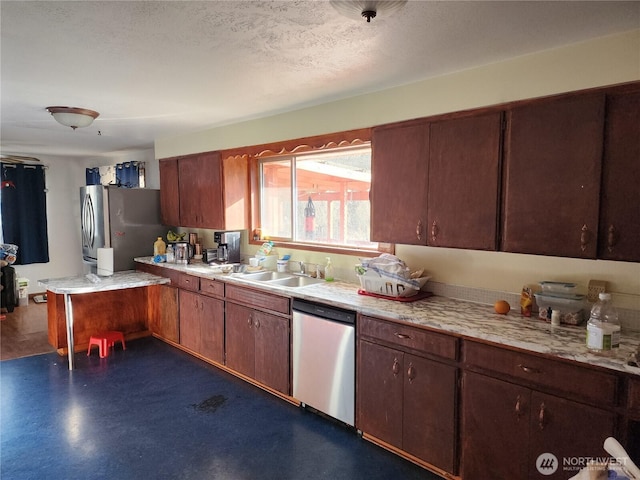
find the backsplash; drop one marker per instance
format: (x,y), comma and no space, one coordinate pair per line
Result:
(629,319)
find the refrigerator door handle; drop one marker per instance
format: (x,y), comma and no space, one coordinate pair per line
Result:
(88,222)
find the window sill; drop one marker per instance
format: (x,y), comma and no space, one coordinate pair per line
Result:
(337,250)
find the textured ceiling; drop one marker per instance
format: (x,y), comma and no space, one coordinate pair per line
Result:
(155,69)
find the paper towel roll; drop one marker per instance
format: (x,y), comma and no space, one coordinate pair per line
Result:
(105,262)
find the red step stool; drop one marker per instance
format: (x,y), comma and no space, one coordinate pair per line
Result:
(105,341)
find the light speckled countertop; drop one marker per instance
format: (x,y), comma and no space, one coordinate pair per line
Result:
(117,281)
(459,317)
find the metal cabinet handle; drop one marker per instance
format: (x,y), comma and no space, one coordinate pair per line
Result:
(419,230)
(402,335)
(518,408)
(611,238)
(411,372)
(257,323)
(528,369)
(434,231)
(396,367)
(541,416)
(250,321)
(584,237)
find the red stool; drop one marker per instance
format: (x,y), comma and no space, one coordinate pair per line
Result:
(105,341)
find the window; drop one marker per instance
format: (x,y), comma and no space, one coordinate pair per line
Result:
(317,198)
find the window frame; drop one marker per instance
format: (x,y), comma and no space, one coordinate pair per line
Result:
(315,144)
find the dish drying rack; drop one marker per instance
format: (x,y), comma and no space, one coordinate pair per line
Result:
(372,282)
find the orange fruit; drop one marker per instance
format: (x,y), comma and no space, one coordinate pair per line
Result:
(502,307)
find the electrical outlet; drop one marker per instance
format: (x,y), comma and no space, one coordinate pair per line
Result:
(596,287)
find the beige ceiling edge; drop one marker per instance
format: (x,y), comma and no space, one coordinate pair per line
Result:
(603,61)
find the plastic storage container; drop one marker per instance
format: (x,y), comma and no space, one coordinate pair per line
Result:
(603,328)
(571,307)
(558,288)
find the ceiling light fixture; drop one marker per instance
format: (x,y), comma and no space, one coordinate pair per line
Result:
(73,117)
(366,8)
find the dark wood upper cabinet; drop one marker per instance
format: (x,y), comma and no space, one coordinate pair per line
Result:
(464,182)
(205,191)
(200,178)
(619,233)
(399,165)
(553,159)
(169,192)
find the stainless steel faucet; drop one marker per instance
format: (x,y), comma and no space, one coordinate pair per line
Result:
(302,267)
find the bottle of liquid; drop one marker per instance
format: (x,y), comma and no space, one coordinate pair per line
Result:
(171,258)
(159,247)
(328,271)
(603,328)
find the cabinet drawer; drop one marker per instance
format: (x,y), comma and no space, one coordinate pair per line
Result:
(212,287)
(579,382)
(409,337)
(634,395)
(258,299)
(189,282)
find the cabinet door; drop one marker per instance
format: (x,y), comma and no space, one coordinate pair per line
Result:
(571,431)
(189,320)
(495,428)
(169,194)
(240,339)
(163,312)
(429,411)
(211,328)
(200,186)
(399,169)
(464,172)
(619,218)
(379,392)
(553,153)
(272,351)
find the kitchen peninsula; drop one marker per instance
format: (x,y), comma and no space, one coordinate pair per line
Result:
(117,302)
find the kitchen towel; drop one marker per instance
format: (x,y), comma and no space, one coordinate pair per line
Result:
(105,262)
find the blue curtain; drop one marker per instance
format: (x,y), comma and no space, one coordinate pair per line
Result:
(127,175)
(93,176)
(24,212)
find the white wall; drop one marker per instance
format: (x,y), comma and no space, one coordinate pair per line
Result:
(605,61)
(64,177)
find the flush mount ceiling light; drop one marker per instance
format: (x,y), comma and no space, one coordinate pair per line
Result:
(366,8)
(72,116)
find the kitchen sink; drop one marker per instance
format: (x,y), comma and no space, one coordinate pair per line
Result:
(280,278)
(296,281)
(265,276)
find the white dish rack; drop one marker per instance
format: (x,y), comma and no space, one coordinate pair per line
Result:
(373,282)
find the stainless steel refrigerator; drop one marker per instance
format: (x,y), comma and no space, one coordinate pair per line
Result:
(125,219)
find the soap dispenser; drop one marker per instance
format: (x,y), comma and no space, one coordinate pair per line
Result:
(328,271)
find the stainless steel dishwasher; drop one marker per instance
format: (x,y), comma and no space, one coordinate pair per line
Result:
(324,359)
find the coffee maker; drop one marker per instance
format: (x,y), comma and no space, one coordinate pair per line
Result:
(228,246)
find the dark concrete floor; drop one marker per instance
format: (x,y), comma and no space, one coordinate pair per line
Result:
(154,412)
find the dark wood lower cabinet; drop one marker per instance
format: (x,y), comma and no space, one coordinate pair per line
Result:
(257,345)
(202,325)
(506,427)
(163,312)
(408,402)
